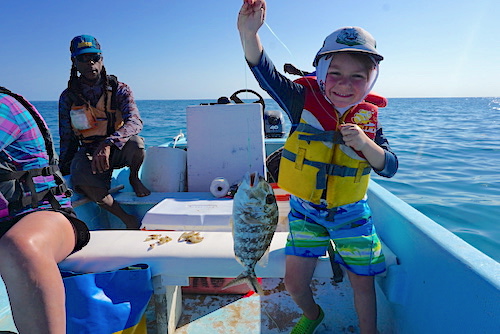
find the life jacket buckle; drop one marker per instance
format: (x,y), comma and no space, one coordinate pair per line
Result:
(62,189)
(68,193)
(336,170)
(46,171)
(43,171)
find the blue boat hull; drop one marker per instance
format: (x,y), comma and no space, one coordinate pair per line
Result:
(442,284)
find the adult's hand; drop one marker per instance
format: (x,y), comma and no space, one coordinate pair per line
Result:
(100,158)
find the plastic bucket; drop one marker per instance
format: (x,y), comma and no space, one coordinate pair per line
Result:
(164,169)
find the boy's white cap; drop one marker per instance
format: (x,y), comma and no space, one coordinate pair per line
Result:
(349,39)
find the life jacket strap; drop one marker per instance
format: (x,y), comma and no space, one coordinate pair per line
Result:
(50,194)
(325,169)
(314,134)
(35,197)
(92,139)
(20,175)
(14,175)
(44,171)
(344,171)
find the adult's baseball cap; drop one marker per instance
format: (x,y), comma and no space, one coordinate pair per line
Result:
(84,44)
(349,39)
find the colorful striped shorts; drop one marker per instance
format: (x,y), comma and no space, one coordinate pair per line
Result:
(350,226)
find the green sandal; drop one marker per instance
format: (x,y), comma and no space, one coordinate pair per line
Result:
(306,325)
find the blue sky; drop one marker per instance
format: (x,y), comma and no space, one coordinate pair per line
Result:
(190,49)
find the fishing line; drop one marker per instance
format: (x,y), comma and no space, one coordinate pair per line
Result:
(245,69)
(279,40)
(307,214)
(337,117)
(287,49)
(249,141)
(292,57)
(245,65)
(264,307)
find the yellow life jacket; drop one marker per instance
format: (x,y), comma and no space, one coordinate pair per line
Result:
(315,158)
(95,123)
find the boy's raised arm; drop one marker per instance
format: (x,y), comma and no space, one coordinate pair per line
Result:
(250,18)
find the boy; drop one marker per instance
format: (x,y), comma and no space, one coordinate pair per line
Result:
(334,143)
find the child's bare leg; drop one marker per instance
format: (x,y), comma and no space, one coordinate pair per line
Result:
(365,302)
(298,275)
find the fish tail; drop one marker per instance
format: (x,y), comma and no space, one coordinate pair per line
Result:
(248,279)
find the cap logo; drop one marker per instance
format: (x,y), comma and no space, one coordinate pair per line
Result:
(350,37)
(84,45)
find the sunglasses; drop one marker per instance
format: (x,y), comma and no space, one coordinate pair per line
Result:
(85,58)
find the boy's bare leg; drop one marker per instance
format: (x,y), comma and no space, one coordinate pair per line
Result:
(298,275)
(365,302)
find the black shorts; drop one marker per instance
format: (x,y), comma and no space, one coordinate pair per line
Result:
(81,166)
(82,234)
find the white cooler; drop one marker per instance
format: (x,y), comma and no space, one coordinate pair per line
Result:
(190,211)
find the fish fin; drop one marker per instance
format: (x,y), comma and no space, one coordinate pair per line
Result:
(239,261)
(250,280)
(255,285)
(264,260)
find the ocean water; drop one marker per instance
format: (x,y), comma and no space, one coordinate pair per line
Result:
(448,150)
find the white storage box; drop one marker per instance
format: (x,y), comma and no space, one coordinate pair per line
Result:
(190,211)
(224,140)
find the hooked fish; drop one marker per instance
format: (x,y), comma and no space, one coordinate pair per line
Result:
(254,221)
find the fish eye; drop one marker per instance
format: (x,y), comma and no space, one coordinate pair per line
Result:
(270,199)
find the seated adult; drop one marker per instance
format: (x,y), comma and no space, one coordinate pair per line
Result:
(99,125)
(38,227)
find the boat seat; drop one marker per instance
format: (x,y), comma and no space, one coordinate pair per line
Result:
(130,198)
(173,263)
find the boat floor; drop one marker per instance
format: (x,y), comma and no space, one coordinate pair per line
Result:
(275,312)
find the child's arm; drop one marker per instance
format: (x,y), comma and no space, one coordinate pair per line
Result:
(354,137)
(250,18)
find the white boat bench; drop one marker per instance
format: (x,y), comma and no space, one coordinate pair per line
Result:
(173,263)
